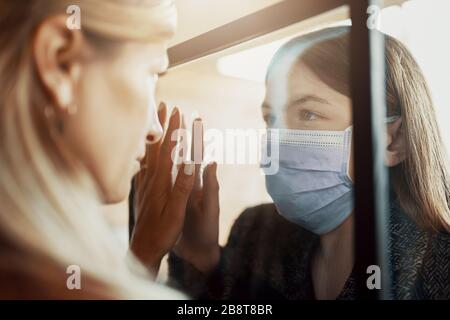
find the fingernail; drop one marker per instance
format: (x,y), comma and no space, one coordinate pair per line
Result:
(174,111)
(161,106)
(189,169)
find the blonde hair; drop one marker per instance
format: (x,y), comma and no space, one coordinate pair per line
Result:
(50,214)
(421,182)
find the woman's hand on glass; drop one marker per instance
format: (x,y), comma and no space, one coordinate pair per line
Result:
(199,241)
(161,206)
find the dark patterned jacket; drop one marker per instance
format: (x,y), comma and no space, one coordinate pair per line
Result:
(267,257)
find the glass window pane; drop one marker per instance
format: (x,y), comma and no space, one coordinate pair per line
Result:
(417,71)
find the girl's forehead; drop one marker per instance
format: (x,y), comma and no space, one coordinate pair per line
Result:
(290,79)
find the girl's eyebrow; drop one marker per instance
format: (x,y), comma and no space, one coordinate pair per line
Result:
(303,99)
(308,98)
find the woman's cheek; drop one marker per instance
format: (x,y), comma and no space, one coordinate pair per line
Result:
(122,120)
(137,124)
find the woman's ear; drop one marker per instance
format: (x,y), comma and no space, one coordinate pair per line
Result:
(57,53)
(396,149)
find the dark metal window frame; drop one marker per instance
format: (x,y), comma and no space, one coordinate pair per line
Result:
(368,98)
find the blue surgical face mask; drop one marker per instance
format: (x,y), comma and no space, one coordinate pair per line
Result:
(312,187)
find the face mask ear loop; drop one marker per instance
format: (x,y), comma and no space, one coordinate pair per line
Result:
(347,146)
(346,153)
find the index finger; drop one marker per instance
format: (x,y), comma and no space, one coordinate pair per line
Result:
(197,147)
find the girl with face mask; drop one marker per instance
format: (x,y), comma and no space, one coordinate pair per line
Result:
(301,246)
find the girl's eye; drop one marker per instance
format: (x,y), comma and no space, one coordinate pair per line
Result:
(308,115)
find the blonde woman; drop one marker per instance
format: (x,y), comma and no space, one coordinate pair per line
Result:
(301,246)
(76,111)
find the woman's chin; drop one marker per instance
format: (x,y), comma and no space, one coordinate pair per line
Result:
(116,195)
(117,190)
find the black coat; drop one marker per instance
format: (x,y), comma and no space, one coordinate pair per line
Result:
(268,257)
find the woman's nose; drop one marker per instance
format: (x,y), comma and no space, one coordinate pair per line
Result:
(155,131)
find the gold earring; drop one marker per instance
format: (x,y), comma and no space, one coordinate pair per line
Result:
(66,99)
(65,95)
